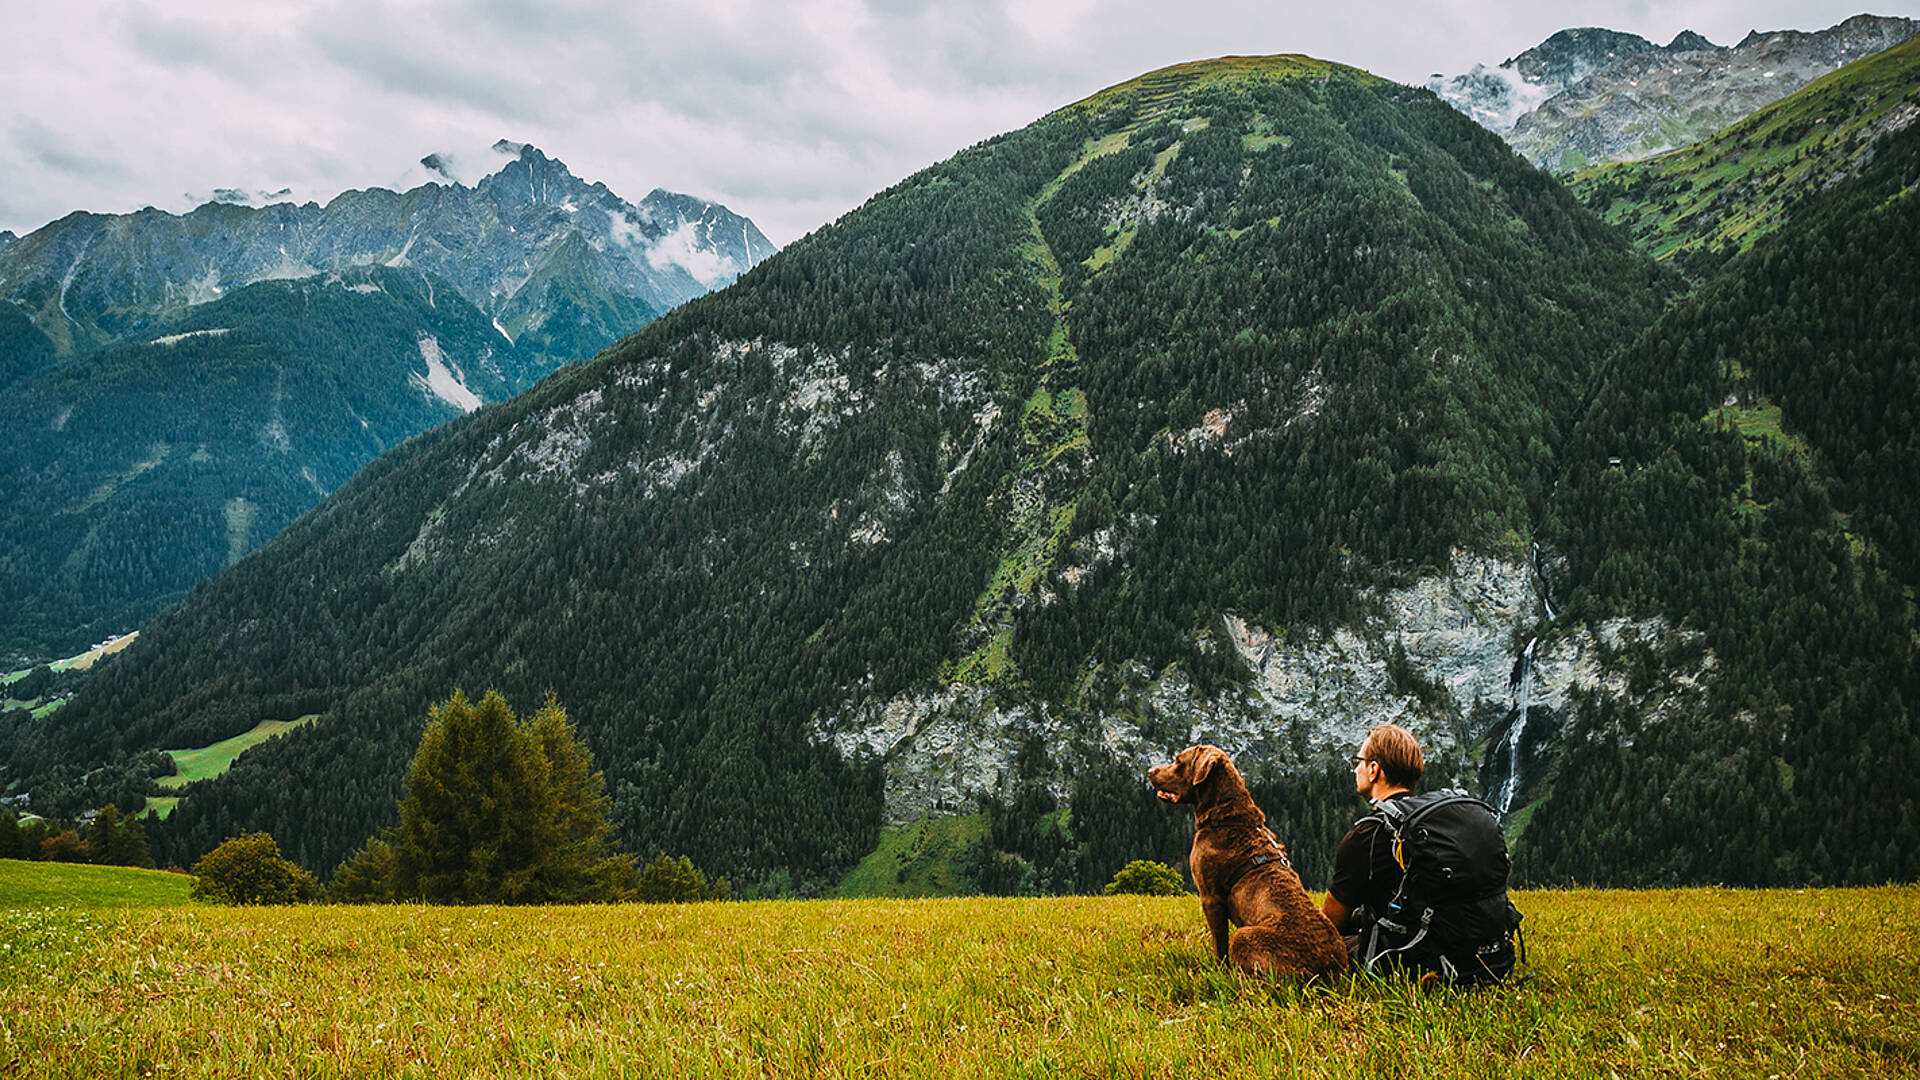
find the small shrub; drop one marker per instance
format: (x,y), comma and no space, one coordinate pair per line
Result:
(1146,878)
(64,846)
(250,870)
(367,876)
(667,880)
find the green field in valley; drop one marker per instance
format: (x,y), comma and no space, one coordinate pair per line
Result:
(210,761)
(1686,983)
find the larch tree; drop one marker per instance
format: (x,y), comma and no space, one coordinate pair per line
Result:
(496,811)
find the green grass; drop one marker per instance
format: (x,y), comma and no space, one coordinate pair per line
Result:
(1689,983)
(1053,424)
(920,859)
(210,761)
(78,885)
(1760,423)
(1183,79)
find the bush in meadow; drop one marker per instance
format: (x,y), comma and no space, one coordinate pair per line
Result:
(1146,878)
(249,869)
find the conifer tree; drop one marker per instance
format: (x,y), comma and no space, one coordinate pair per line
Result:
(581,864)
(497,810)
(117,840)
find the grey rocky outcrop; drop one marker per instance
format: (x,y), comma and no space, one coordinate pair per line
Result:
(1305,696)
(1588,96)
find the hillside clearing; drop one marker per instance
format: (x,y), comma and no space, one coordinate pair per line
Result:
(92,656)
(210,761)
(1696,982)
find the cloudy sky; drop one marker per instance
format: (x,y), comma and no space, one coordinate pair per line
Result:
(789,111)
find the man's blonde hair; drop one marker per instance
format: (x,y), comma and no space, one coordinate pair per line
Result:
(1398,753)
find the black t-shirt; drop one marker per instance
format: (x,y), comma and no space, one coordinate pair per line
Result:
(1364,872)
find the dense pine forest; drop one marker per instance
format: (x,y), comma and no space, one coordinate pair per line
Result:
(1748,470)
(1261,337)
(134,473)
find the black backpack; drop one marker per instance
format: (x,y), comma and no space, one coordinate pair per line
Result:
(1451,914)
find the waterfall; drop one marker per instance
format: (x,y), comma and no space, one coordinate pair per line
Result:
(1503,768)
(1520,685)
(1546,587)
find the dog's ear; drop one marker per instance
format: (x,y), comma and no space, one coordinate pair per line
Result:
(1204,761)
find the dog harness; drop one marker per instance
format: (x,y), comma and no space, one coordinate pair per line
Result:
(1275,853)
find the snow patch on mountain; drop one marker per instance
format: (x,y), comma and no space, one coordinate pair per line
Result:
(175,339)
(442,379)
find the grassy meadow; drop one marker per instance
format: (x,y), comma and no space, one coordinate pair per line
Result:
(1684,983)
(77,885)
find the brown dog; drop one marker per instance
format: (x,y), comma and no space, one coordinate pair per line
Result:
(1243,874)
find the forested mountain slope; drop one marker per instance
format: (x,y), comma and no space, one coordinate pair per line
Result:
(1750,470)
(1706,202)
(1041,463)
(136,473)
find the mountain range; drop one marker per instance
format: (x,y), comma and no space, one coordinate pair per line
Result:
(1251,401)
(182,387)
(561,266)
(1588,96)
(1043,446)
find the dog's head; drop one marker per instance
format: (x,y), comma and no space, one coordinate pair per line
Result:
(1190,774)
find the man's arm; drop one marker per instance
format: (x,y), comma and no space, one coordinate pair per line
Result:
(1350,875)
(1336,913)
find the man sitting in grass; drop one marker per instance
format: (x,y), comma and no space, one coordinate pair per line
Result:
(1365,875)
(1420,884)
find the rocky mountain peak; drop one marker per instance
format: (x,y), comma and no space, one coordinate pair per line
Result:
(532,177)
(1589,95)
(1572,55)
(1688,41)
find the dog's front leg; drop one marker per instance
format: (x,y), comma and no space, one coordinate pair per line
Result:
(1216,912)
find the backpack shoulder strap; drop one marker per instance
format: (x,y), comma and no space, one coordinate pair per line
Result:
(1438,800)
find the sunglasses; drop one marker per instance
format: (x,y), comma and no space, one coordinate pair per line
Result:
(1361,759)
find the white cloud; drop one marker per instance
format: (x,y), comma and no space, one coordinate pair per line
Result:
(788,111)
(681,248)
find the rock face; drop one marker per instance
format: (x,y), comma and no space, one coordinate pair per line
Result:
(559,264)
(1451,657)
(1498,96)
(1590,96)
